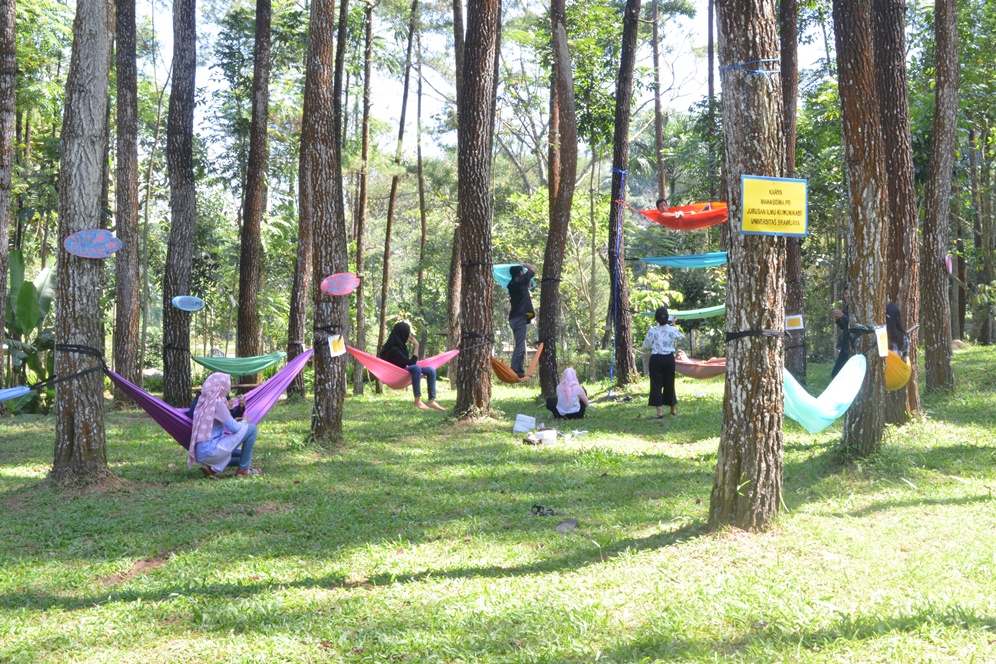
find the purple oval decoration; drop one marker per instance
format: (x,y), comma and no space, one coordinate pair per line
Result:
(93,243)
(188,303)
(342,283)
(949,263)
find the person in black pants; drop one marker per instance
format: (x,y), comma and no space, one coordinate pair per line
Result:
(843,320)
(660,341)
(571,400)
(521,313)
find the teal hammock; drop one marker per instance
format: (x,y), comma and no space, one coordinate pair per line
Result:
(240,366)
(503,275)
(694,260)
(816,414)
(707,312)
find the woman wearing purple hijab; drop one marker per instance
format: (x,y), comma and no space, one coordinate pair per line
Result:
(217,440)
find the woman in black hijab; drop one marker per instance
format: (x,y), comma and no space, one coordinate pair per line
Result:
(395,351)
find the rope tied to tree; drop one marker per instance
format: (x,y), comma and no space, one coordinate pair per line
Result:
(731,336)
(745,66)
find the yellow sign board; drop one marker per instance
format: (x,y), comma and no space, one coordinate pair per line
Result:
(774,206)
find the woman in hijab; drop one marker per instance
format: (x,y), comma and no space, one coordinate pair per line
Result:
(217,440)
(571,399)
(395,351)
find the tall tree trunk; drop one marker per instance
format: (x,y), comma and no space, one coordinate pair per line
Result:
(658,109)
(422,212)
(747,487)
(710,57)
(984,332)
(454,282)
(560,212)
(903,248)
(625,363)
(866,177)
(395,181)
(80,444)
(183,204)
(8,69)
(318,130)
(146,295)
(127,296)
(476,99)
(247,340)
(361,213)
(795,340)
(937,201)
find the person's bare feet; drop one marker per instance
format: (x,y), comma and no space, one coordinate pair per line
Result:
(420,405)
(435,406)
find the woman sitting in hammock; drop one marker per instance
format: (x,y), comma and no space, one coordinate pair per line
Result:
(395,351)
(217,440)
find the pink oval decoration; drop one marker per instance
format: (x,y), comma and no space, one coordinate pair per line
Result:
(949,263)
(93,243)
(342,283)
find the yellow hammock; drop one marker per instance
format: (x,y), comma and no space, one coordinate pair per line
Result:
(505,373)
(897,372)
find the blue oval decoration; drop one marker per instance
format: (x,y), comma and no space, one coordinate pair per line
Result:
(342,283)
(93,243)
(188,303)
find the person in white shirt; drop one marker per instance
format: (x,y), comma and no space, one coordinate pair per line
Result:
(660,341)
(571,400)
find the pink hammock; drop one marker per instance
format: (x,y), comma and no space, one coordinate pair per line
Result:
(178,424)
(686,366)
(392,375)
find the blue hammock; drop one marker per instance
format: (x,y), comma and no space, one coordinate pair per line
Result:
(503,275)
(693,260)
(816,414)
(13,393)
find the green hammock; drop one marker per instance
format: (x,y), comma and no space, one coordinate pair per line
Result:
(695,313)
(816,414)
(240,366)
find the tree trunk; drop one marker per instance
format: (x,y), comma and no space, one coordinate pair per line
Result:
(247,340)
(80,444)
(795,340)
(747,488)
(422,211)
(903,248)
(625,364)
(318,132)
(127,297)
(361,213)
(146,296)
(560,212)
(8,69)
(866,176)
(476,101)
(395,181)
(710,57)
(980,232)
(658,109)
(183,204)
(937,201)
(454,282)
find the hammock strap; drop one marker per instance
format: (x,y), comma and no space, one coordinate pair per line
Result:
(82,350)
(487,339)
(731,336)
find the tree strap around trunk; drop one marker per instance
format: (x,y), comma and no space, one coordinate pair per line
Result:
(730,336)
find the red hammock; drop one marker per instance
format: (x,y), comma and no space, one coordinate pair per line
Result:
(688,217)
(391,374)
(714,366)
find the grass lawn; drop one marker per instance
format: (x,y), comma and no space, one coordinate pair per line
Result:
(417,543)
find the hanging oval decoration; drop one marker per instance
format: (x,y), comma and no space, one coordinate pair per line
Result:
(342,283)
(93,243)
(188,303)
(948,263)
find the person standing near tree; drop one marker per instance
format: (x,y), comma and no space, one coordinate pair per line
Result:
(843,319)
(660,343)
(521,313)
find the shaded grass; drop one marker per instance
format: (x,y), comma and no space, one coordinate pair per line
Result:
(417,542)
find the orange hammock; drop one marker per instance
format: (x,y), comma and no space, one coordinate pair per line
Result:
(714,366)
(505,373)
(392,375)
(688,217)
(897,372)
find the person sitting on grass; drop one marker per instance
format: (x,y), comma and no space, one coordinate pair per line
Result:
(571,399)
(218,440)
(395,351)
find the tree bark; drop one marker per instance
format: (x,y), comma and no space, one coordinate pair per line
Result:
(247,340)
(747,488)
(361,214)
(658,109)
(80,444)
(710,58)
(183,204)
(422,211)
(127,296)
(476,101)
(8,83)
(318,131)
(903,227)
(560,212)
(454,282)
(864,157)
(625,363)
(937,201)
(795,340)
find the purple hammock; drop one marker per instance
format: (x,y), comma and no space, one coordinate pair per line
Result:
(178,424)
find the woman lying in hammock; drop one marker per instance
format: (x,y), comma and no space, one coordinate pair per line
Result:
(395,351)
(217,440)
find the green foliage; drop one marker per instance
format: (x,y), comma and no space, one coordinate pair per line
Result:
(30,341)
